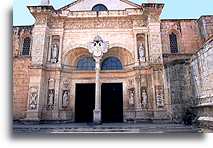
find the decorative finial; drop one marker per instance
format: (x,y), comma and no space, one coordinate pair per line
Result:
(45,2)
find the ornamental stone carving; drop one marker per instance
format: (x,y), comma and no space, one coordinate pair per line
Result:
(55,48)
(33,98)
(54,53)
(131,100)
(66,84)
(98,47)
(159,96)
(144,98)
(51,83)
(99,24)
(65,94)
(65,99)
(140,23)
(50,100)
(141,51)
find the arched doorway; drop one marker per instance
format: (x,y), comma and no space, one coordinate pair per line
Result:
(83,75)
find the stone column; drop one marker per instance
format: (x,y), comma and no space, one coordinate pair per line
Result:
(97,48)
(97,110)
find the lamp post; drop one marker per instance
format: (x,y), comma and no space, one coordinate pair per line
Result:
(97,48)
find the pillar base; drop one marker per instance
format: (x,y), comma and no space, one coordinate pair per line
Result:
(97,116)
(33,116)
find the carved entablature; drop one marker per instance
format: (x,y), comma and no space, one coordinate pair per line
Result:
(101,14)
(156,59)
(140,22)
(55,23)
(101,23)
(41,20)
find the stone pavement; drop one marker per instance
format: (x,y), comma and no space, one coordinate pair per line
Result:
(70,128)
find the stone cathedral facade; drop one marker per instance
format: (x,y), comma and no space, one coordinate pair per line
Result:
(155,69)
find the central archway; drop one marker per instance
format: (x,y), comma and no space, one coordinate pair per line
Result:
(116,58)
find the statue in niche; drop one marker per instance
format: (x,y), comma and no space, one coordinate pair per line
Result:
(144,98)
(33,99)
(159,97)
(54,53)
(65,99)
(141,51)
(131,97)
(50,101)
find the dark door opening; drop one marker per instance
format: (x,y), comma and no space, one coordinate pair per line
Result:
(84,102)
(112,102)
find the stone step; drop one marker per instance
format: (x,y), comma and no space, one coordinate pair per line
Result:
(107,128)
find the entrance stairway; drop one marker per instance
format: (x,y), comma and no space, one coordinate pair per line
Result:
(70,128)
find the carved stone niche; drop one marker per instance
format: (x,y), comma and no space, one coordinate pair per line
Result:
(131,98)
(55,44)
(33,98)
(51,83)
(51,99)
(130,83)
(159,96)
(65,94)
(144,97)
(141,47)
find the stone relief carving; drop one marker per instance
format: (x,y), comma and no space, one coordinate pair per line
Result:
(33,98)
(141,51)
(99,24)
(156,59)
(54,54)
(98,47)
(65,94)
(159,96)
(51,83)
(65,84)
(65,99)
(130,83)
(41,20)
(55,48)
(140,23)
(131,97)
(50,100)
(144,98)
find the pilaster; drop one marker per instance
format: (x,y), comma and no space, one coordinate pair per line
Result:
(38,80)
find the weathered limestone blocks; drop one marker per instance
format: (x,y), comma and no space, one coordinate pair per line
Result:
(202,78)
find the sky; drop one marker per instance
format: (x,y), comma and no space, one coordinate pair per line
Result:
(173,9)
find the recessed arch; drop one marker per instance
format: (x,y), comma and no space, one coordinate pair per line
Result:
(71,57)
(26,46)
(85,63)
(174,41)
(99,7)
(111,63)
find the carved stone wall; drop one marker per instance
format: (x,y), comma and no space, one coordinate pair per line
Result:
(202,76)
(206,27)
(187,32)
(180,88)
